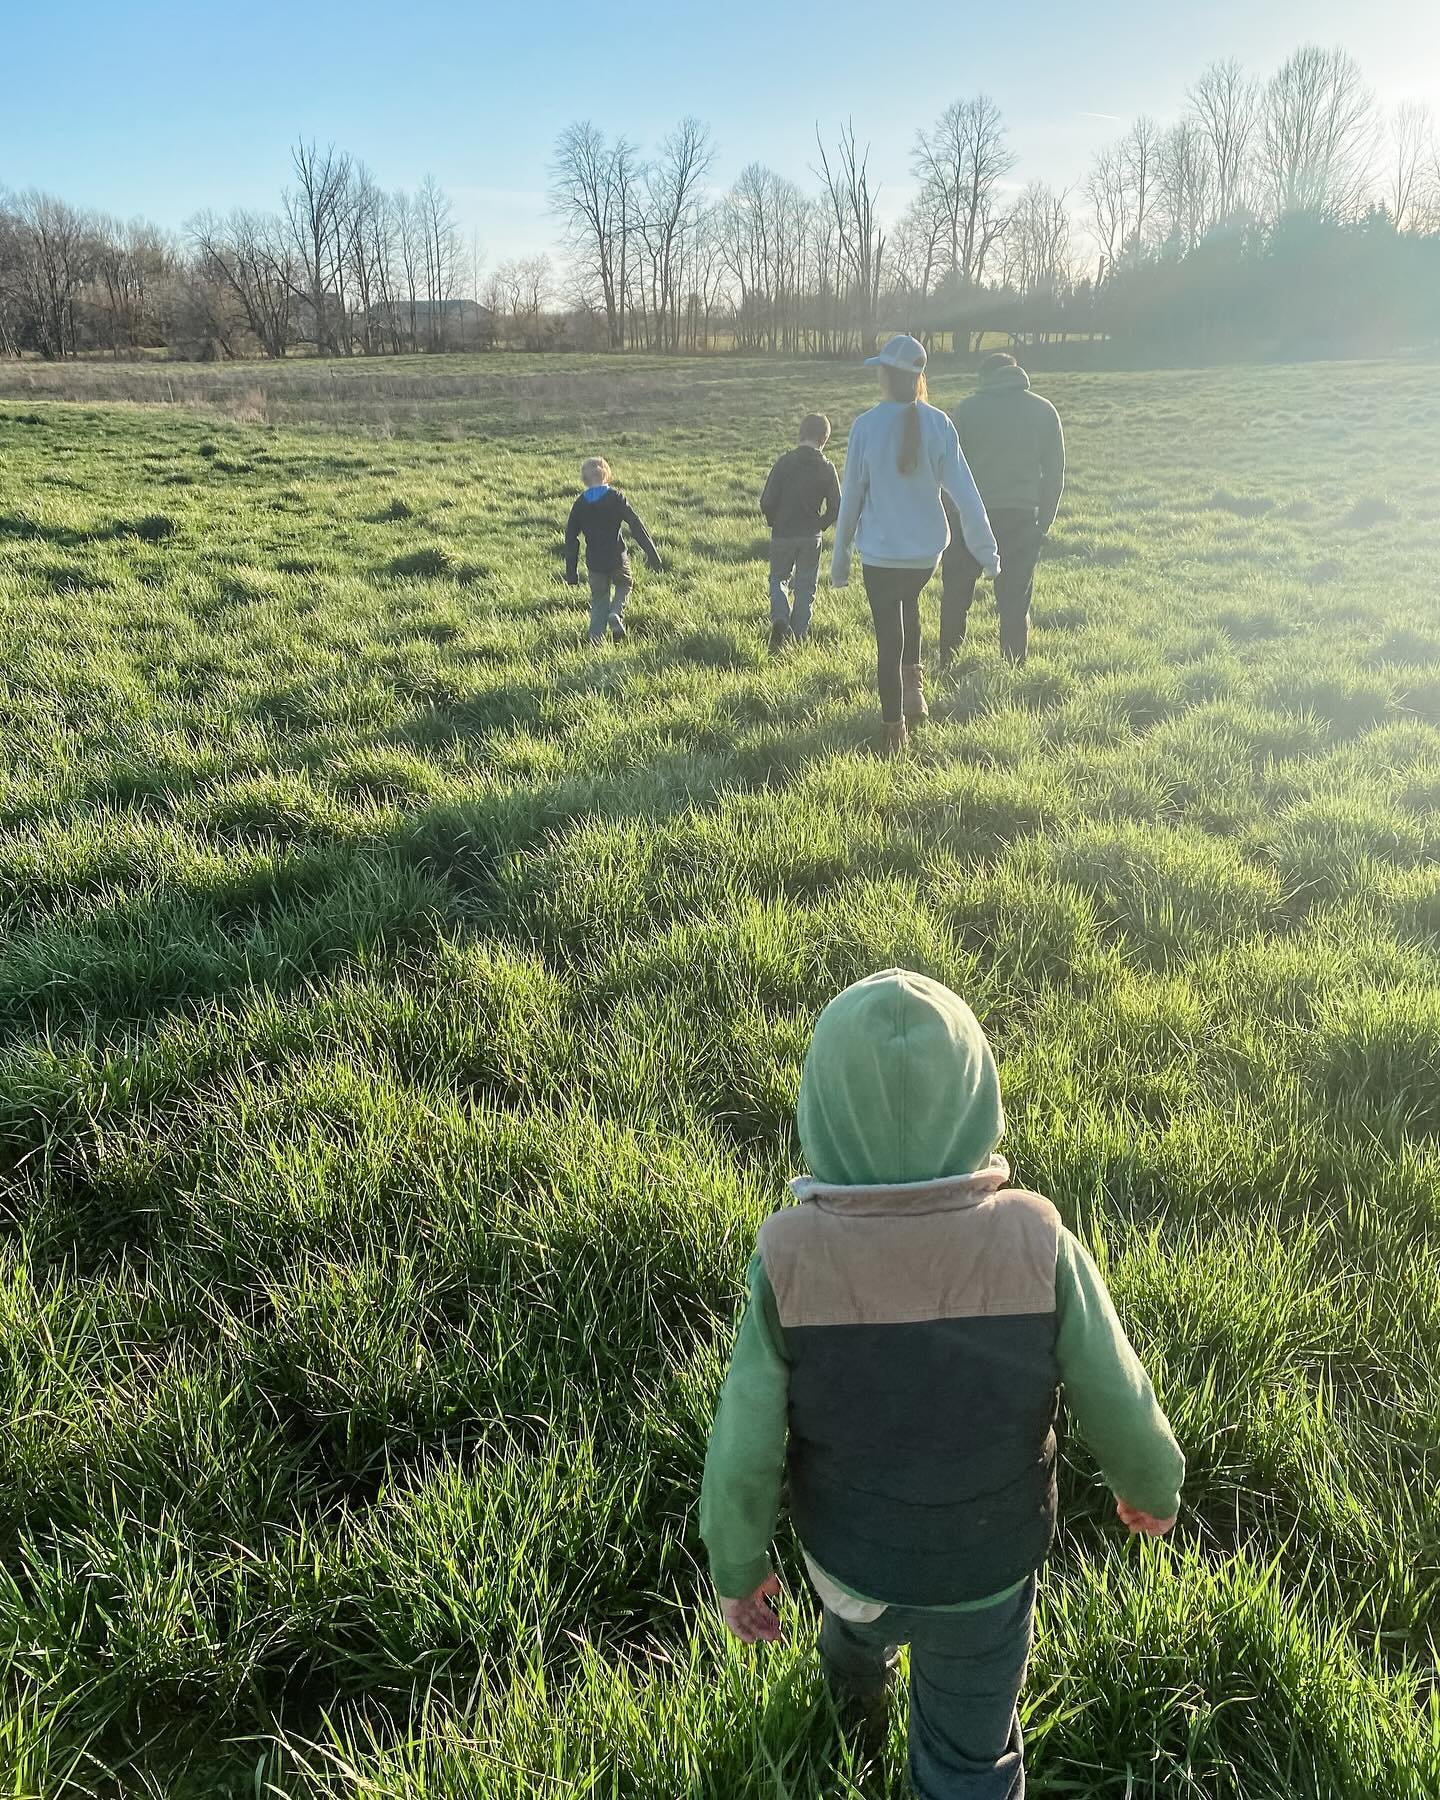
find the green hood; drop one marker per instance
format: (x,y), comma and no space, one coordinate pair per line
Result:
(899,1085)
(998,381)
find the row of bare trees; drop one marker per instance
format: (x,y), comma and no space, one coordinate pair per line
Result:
(774,265)
(70,279)
(666,265)
(658,258)
(1308,142)
(638,230)
(343,267)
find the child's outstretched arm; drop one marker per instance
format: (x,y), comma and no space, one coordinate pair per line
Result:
(572,546)
(745,1466)
(1110,1396)
(641,536)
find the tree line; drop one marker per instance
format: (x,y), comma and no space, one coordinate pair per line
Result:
(1289,212)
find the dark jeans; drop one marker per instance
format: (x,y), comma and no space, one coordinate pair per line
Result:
(894,596)
(608,594)
(966,1673)
(795,560)
(1019,538)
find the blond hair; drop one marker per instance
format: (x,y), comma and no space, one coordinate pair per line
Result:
(909,390)
(595,472)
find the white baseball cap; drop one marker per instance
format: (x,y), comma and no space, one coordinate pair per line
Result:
(905,353)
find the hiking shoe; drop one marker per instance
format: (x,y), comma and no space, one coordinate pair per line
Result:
(781,638)
(864,1722)
(912,688)
(618,633)
(896,739)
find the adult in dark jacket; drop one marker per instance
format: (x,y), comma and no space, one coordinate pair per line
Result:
(801,500)
(1015,447)
(598,516)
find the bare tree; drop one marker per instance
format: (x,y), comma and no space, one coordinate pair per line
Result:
(1185,176)
(1429,207)
(919,250)
(1412,142)
(1226,104)
(1108,192)
(1317,139)
(314,212)
(366,230)
(410,238)
(751,229)
(1037,247)
(853,204)
(133,267)
(592,191)
(1139,156)
(518,292)
(13,287)
(673,200)
(961,163)
(56,246)
(441,240)
(249,256)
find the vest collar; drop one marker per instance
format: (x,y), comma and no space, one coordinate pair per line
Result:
(951,1193)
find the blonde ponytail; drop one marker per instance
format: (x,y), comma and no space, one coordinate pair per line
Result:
(909,390)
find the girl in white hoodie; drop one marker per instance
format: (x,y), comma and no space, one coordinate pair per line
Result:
(902,454)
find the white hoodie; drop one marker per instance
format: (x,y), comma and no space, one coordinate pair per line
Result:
(898,521)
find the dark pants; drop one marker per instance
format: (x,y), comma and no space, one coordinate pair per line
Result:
(608,593)
(1019,538)
(793,560)
(966,1673)
(894,596)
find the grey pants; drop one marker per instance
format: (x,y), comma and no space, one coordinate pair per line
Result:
(608,594)
(794,561)
(966,1673)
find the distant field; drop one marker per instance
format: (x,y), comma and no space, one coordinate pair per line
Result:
(403,1008)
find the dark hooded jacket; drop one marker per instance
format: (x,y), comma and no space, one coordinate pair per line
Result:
(802,494)
(599,522)
(1014,445)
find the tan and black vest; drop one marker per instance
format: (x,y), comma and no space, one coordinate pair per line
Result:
(919,1324)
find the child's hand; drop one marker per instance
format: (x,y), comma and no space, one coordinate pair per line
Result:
(1136,1521)
(753,1620)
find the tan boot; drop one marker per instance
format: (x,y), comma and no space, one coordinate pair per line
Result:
(912,690)
(896,739)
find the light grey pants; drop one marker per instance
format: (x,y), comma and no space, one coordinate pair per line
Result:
(608,594)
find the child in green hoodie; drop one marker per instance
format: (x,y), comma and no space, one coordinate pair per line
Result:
(910,1325)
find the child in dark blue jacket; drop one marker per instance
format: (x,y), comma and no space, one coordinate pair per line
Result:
(598,516)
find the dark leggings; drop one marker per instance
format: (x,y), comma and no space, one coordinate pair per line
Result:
(894,596)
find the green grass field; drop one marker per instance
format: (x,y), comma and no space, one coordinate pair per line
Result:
(403,1010)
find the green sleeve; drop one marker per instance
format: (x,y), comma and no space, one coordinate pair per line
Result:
(745,1463)
(1108,1392)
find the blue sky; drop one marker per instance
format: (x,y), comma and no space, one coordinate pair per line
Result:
(141,107)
